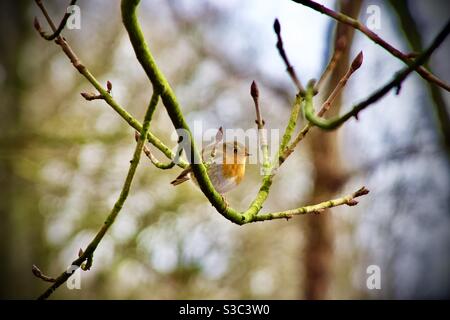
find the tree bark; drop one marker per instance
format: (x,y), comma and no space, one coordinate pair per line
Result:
(19,230)
(329,177)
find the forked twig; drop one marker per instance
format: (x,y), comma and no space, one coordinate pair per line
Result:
(396,82)
(318,208)
(427,75)
(356,64)
(154,160)
(76,62)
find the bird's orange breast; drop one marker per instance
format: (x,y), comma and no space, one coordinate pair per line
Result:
(234,170)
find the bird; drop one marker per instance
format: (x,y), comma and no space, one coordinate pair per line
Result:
(225,163)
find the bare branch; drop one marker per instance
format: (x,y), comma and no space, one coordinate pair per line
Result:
(87,254)
(76,62)
(424,73)
(341,43)
(289,67)
(38,273)
(341,84)
(89,96)
(396,82)
(262,135)
(56,31)
(325,107)
(161,88)
(317,208)
(154,160)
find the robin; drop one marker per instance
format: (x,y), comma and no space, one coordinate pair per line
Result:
(225,164)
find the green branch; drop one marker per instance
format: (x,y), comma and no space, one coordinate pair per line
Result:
(159,82)
(292,123)
(173,108)
(161,88)
(87,254)
(104,93)
(317,208)
(130,119)
(158,164)
(396,82)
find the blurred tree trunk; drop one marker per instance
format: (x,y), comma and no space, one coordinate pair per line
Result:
(317,255)
(20,226)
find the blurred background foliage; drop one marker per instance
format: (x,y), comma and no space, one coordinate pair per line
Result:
(63,159)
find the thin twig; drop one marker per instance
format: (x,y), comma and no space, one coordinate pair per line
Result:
(289,67)
(87,254)
(317,208)
(262,133)
(341,84)
(325,107)
(76,62)
(254,92)
(341,43)
(154,160)
(62,24)
(162,89)
(396,82)
(89,96)
(412,31)
(47,17)
(375,38)
(145,57)
(38,273)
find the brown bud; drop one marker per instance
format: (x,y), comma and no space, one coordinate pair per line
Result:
(276,26)
(88,96)
(80,252)
(37,25)
(36,271)
(357,62)
(254,90)
(109,86)
(352,203)
(361,192)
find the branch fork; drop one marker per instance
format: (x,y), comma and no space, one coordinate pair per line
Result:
(406,58)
